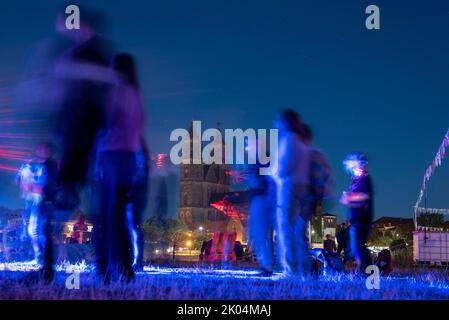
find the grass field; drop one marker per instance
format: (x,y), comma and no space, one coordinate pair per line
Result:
(165,283)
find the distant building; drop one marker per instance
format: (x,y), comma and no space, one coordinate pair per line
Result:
(329,222)
(322,225)
(198,182)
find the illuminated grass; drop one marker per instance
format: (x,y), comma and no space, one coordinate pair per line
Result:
(208,283)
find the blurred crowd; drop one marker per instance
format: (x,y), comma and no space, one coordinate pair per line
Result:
(92,97)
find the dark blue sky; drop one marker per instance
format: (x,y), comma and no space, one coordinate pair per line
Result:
(238,62)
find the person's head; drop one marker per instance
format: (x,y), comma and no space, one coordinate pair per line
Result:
(328,236)
(124,64)
(343,225)
(288,121)
(44,150)
(355,164)
(81,217)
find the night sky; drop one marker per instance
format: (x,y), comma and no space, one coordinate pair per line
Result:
(385,92)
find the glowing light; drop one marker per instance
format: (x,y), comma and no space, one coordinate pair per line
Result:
(228,208)
(237,176)
(207,272)
(188,243)
(354,167)
(200,228)
(161,160)
(33,266)
(11,169)
(419,282)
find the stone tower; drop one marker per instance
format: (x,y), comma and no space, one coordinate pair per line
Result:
(197,183)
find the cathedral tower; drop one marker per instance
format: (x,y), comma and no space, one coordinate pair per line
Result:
(197,183)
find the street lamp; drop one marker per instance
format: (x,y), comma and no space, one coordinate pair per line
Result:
(189,245)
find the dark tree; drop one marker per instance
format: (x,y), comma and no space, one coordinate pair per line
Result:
(435,220)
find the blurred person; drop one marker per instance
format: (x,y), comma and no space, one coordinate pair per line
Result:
(205,249)
(342,239)
(384,262)
(65,82)
(238,250)
(359,200)
(79,227)
(87,78)
(321,182)
(348,256)
(261,224)
(79,79)
(37,178)
(40,90)
(139,198)
(293,192)
(120,144)
(329,244)
(31,193)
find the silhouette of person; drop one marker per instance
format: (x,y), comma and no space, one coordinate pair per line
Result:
(119,147)
(293,191)
(342,239)
(329,244)
(87,79)
(37,178)
(359,200)
(261,222)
